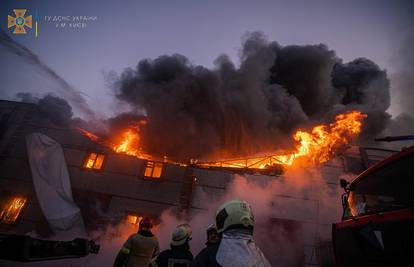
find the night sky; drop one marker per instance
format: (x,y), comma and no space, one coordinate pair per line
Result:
(128,31)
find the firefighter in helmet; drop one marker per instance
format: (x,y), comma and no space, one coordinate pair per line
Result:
(140,248)
(212,235)
(235,223)
(213,238)
(179,255)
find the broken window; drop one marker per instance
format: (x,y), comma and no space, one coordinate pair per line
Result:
(94,161)
(153,169)
(134,219)
(11,210)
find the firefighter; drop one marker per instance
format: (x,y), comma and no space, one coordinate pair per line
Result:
(179,255)
(140,248)
(235,222)
(213,238)
(212,235)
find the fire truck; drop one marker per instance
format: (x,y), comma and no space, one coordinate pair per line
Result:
(377,227)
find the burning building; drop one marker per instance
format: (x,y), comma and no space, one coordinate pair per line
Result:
(111,184)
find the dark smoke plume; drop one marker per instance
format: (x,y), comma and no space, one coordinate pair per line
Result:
(194,112)
(363,85)
(54,108)
(305,72)
(65,89)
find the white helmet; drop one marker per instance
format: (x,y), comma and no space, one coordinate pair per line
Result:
(234,212)
(181,234)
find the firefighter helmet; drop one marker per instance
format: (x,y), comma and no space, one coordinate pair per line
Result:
(211,228)
(145,223)
(234,213)
(181,234)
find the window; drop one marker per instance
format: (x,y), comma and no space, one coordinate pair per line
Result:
(133,219)
(94,161)
(153,169)
(11,210)
(389,188)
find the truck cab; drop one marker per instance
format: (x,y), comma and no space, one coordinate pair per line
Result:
(377,226)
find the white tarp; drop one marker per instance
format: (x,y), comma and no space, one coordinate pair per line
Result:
(52,184)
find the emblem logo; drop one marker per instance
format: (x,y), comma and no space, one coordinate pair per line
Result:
(19,22)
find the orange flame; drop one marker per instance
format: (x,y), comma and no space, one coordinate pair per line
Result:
(314,147)
(128,142)
(321,144)
(12,210)
(91,136)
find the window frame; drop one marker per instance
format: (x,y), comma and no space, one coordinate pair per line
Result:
(5,201)
(154,166)
(154,219)
(130,214)
(376,191)
(86,158)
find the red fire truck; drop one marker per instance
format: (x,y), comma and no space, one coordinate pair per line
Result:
(377,227)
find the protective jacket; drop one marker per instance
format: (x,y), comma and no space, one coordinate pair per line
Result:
(236,249)
(207,256)
(138,250)
(177,256)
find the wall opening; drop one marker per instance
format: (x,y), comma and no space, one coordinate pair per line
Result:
(134,218)
(153,169)
(94,161)
(11,209)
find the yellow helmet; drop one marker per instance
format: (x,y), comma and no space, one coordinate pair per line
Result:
(181,234)
(234,212)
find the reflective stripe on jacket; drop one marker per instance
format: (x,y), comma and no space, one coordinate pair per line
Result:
(140,249)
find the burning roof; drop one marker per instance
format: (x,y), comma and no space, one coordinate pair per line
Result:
(312,147)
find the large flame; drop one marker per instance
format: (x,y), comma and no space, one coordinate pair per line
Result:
(127,141)
(321,144)
(313,147)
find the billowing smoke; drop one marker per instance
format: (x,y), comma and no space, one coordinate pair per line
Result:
(402,82)
(196,112)
(232,110)
(403,65)
(124,120)
(73,96)
(363,85)
(305,72)
(403,85)
(52,107)
(310,207)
